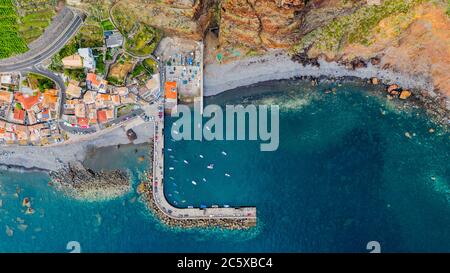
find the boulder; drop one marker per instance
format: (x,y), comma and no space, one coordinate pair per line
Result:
(374,81)
(405,94)
(392,87)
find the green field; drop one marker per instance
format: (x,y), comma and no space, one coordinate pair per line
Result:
(34,17)
(90,36)
(356,27)
(40,81)
(10,40)
(107,25)
(150,65)
(145,40)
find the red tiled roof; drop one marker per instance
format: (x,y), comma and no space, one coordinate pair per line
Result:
(92,78)
(101,116)
(19,114)
(27,101)
(170,89)
(83,121)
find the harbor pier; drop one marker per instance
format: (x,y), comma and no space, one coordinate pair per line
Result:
(246,215)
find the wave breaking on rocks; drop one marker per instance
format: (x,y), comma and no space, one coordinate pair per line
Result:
(84,184)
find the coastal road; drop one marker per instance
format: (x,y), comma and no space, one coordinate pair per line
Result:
(26,60)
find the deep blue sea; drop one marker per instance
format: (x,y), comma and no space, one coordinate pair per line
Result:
(352,167)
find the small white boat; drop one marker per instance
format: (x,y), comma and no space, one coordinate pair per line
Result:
(171,178)
(210,166)
(171,156)
(207,128)
(227,175)
(194,183)
(175,132)
(168,149)
(171,168)
(201,156)
(204,179)
(185,161)
(224,153)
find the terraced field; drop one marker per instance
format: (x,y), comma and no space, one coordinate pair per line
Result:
(11,41)
(34,17)
(141,39)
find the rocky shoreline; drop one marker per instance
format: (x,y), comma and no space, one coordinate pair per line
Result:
(278,65)
(145,189)
(435,104)
(82,183)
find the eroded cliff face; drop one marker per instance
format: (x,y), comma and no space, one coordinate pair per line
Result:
(422,48)
(260,23)
(410,36)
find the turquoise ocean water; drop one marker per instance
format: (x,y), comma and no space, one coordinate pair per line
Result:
(345,174)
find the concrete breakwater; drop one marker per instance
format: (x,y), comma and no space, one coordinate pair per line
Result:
(146,192)
(153,188)
(82,183)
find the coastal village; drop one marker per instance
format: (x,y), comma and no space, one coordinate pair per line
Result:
(35,111)
(29,109)
(110,72)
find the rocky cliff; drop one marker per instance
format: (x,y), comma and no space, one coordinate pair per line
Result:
(410,36)
(260,24)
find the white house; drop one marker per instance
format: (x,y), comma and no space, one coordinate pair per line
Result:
(88,57)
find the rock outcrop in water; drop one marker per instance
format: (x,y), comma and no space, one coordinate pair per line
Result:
(85,184)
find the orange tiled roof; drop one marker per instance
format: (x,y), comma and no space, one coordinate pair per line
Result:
(5,96)
(92,78)
(83,121)
(170,89)
(19,114)
(101,116)
(27,101)
(50,98)
(105,97)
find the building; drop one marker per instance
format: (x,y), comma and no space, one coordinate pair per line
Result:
(27,102)
(73,89)
(96,83)
(151,88)
(88,57)
(122,91)
(72,62)
(80,110)
(373,2)
(89,97)
(83,122)
(170,95)
(6,79)
(113,39)
(19,115)
(6,96)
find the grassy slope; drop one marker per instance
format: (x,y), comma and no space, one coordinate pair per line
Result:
(36,16)
(354,28)
(10,40)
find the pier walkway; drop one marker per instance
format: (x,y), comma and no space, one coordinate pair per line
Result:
(158,185)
